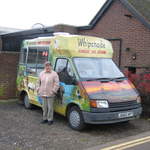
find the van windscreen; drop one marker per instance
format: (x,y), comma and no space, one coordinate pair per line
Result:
(92,68)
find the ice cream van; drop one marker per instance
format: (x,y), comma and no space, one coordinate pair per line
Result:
(92,88)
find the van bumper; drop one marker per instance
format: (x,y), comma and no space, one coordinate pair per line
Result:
(111,117)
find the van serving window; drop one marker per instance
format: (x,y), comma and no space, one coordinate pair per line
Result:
(32,57)
(31,61)
(42,58)
(37,56)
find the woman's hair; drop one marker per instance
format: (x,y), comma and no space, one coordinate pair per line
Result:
(47,63)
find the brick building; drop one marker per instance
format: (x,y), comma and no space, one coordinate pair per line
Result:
(126,23)
(129,22)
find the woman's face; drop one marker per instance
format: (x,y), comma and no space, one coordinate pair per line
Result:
(48,68)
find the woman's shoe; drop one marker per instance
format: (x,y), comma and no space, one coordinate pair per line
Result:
(44,121)
(50,122)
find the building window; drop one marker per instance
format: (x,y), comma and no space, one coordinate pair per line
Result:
(132,70)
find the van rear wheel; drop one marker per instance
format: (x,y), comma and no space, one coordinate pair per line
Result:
(75,118)
(27,102)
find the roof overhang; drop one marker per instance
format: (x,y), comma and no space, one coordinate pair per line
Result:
(104,9)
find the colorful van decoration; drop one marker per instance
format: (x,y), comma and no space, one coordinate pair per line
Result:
(92,88)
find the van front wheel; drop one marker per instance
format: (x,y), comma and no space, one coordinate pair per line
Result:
(75,118)
(27,102)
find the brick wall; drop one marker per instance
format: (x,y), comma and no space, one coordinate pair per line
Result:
(133,33)
(8,72)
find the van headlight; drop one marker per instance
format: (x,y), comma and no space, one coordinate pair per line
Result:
(102,104)
(99,103)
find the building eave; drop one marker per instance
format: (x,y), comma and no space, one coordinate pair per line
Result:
(100,13)
(29,32)
(80,28)
(135,13)
(106,6)
(97,17)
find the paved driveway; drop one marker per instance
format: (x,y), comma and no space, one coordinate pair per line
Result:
(20,129)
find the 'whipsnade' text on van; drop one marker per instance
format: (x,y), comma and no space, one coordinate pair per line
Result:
(85,43)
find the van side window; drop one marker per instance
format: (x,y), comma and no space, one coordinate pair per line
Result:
(64,70)
(60,64)
(31,61)
(69,70)
(23,54)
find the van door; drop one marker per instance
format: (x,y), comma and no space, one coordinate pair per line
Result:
(67,84)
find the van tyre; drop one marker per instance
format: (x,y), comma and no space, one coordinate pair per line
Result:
(26,101)
(75,118)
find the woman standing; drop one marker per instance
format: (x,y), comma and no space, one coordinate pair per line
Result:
(48,86)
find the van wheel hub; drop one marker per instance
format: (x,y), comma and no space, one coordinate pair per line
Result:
(27,102)
(74,118)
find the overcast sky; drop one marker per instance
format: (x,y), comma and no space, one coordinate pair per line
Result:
(23,14)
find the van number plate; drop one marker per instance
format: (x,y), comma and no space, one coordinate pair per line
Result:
(125,115)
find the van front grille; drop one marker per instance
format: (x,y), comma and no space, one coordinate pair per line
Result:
(122,104)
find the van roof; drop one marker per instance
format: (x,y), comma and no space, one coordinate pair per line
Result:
(74,45)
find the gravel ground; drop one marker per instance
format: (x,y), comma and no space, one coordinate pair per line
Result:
(20,129)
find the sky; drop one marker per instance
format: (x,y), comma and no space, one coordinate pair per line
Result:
(24,14)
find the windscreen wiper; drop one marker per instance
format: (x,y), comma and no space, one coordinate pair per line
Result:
(120,78)
(107,79)
(100,79)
